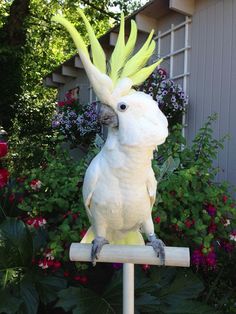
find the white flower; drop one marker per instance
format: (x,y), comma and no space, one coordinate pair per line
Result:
(42,222)
(35,184)
(232,236)
(227,222)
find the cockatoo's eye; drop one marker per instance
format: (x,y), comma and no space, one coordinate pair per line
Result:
(122,106)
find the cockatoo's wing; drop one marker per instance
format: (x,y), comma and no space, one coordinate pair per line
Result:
(90,182)
(151,187)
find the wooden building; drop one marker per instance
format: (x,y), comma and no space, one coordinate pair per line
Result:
(197,39)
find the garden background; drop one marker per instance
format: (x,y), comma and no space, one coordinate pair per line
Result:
(41,208)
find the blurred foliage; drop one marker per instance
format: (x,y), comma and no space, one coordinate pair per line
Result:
(47,202)
(31,46)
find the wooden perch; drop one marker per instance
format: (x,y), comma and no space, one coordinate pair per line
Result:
(135,254)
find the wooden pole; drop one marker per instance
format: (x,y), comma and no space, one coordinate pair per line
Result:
(130,255)
(134,254)
(128,288)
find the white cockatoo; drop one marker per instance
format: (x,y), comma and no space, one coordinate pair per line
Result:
(119,186)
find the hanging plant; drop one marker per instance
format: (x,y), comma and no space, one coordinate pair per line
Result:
(170,97)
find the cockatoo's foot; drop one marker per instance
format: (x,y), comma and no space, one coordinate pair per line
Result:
(158,246)
(98,243)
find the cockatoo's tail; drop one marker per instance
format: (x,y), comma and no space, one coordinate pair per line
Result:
(119,187)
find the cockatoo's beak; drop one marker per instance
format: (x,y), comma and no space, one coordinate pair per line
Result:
(107,116)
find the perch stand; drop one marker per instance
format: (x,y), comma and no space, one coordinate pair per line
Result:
(130,255)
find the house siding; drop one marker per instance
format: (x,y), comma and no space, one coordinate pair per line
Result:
(80,81)
(212,81)
(211,85)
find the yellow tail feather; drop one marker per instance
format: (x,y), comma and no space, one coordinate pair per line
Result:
(131,238)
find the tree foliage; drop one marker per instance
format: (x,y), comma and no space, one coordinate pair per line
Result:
(31,46)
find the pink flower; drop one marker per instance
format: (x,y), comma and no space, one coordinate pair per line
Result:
(161,71)
(35,184)
(197,257)
(211,209)
(206,260)
(4,175)
(232,236)
(3,149)
(43,263)
(36,222)
(211,259)
(157,220)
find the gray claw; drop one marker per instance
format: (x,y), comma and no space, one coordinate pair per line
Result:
(98,243)
(158,246)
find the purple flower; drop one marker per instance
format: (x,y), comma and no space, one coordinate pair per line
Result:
(197,257)
(55,124)
(116,266)
(211,209)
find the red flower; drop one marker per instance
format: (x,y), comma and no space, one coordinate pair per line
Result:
(206,260)
(56,264)
(82,279)
(66,274)
(3,149)
(43,263)
(75,216)
(20,200)
(12,198)
(224,199)
(157,219)
(4,175)
(35,184)
(83,232)
(212,228)
(36,222)
(61,104)
(145,267)
(20,179)
(189,223)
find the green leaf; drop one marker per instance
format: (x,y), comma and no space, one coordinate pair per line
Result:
(9,304)
(48,287)
(190,307)
(15,244)
(168,167)
(147,302)
(83,301)
(29,295)
(186,285)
